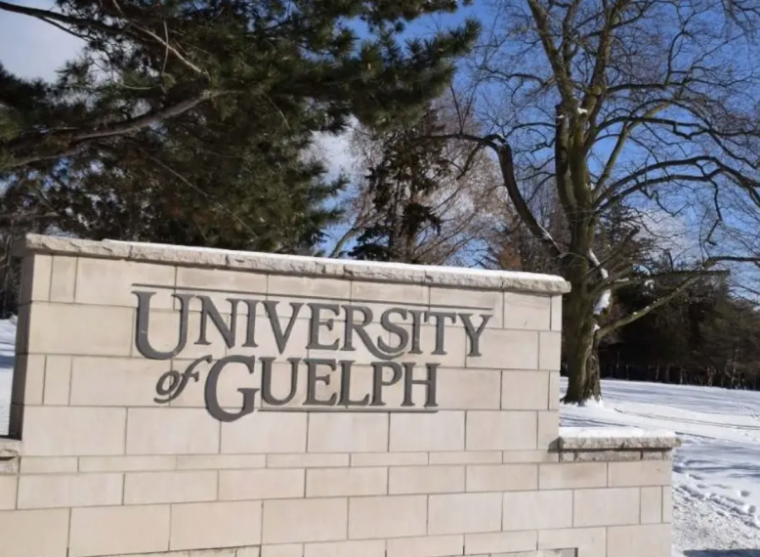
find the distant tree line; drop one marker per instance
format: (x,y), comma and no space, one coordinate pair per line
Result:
(704,336)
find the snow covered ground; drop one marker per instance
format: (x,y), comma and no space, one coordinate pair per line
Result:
(716,475)
(716,472)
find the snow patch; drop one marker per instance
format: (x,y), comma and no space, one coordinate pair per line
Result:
(604,432)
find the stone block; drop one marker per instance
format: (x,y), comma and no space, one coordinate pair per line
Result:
(590,542)
(305,520)
(64,431)
(47,491)
(476,301)
(502,477)
(426,546)
(215,525)
(48,465)
(640,473)
(572,475)
(406,294)
(289,285)
(261,484)
(538,456)
(325,460)
(20,532)
(220,462)
(537,510)
(556,313)
(550,348)
(387,517)
(169,431)
(441,431)
(651,505)
(265,432)
(466,457)
(206,282)
(428,479)
(464,513)
(28,380)
(466,389)
(8,490)
(283,550)
(365,548)
(524,390)
(606,507)
(99,531)
(389,459)
(64,279)
(116,381)
(23,325)
(89,330)
(57,380)
(499,542)
(667,504)
(527,311)
(342,482)
(504,430)
(554,391)
(348,432)
(169,487)
(548,429)
(623,438)
(112,283)
(506,349)
(127,463)
(652,540)
(36,272)
(604,456)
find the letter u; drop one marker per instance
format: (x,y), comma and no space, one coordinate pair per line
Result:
(143,319)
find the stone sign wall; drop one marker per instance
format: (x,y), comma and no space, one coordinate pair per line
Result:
(182,400)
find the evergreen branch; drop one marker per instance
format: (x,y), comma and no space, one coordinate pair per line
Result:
(72,141)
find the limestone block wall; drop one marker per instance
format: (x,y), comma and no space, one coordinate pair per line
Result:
(178,400)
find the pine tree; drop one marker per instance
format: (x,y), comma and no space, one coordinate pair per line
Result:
(402,186)
(188,122)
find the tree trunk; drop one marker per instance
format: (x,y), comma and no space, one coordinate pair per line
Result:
(582,351)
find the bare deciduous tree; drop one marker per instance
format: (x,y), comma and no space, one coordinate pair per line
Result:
(462,200)
(640,106)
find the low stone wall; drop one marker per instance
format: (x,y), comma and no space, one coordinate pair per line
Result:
(172,401)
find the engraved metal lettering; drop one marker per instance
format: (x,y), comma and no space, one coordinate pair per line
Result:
(312,379)
(281,337)
(378,383)
(266,382)
(171,384)
(472,333)
(142,341)
(315,323)
(212,383)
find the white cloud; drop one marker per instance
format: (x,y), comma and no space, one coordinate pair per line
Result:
(336,153)
(31,48)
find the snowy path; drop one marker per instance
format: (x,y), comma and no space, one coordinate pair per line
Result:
(716,472)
